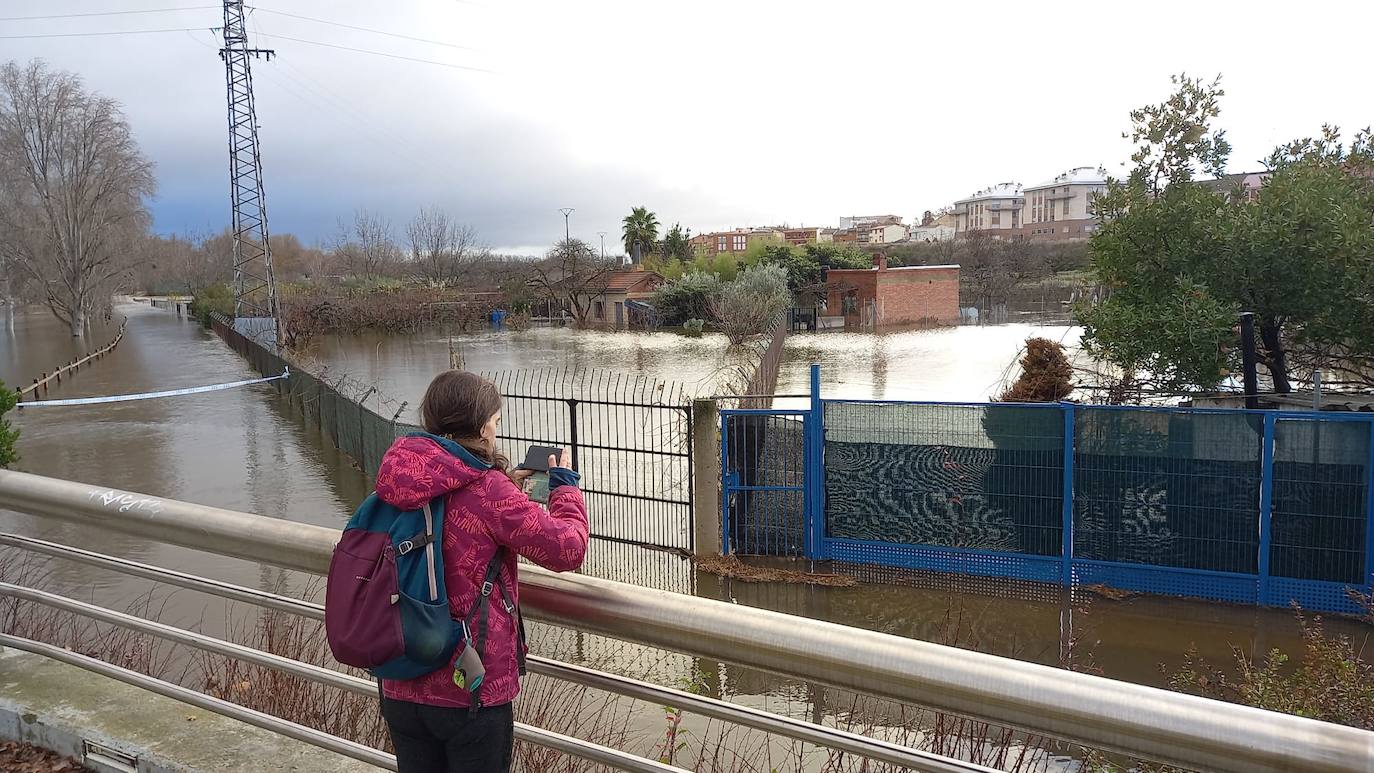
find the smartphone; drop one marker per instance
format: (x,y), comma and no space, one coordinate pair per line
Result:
(537,458)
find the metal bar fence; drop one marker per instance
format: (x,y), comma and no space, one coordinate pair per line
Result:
(628,435)
(1254,507)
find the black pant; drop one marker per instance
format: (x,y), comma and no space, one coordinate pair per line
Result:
(438,739)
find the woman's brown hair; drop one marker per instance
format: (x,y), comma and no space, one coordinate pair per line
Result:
(457,405)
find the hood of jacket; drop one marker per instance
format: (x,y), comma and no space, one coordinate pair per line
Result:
(421,466)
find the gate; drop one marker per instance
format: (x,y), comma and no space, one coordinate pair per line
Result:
(763,482)
(629,436)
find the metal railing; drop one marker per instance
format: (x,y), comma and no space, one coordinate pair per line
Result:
(1131,719)
(820,735)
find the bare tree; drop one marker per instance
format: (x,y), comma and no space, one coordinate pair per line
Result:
(72,190)
(572,277)
(991,269)
(367,248)
(443,250)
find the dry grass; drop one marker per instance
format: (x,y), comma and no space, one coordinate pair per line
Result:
(735,569)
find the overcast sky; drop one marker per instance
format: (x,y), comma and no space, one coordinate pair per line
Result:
(713,114)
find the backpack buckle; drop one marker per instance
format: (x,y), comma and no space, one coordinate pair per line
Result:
(486,588)
(405,547)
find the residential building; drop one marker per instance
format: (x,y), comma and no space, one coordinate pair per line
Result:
(941,229)
(886,234)
(1241,188)
(1061,209)
(734,242)
(863,225)
(996,209)
(798,237)
(844,236)
(885,297)
(625,291)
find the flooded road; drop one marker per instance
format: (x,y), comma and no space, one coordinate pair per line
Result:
(245,449)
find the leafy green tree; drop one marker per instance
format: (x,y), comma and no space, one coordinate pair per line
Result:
(9,436)
(640,225)
(689,297)
(802,269)
(676,245)
(1179,262)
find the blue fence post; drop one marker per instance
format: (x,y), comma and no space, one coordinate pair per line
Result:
(725,545)
(1266,507)
(1066,546)
(815,472)
(1369,516)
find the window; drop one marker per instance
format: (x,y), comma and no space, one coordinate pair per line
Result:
(720,244)
(739,243)
(996,218)
(600,310)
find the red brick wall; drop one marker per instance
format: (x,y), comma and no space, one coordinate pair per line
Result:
(919,294)
(905,296)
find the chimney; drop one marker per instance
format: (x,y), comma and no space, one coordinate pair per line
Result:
(880,262)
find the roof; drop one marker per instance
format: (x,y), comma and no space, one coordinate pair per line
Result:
(622,281)
(1229,182)
(1079,175)
(998,191)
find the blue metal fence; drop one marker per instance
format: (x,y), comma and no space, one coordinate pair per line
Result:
(1256,507)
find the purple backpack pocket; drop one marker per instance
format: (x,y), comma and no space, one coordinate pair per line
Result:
(361,616)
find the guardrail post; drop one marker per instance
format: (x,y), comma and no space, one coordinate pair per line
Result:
(1266,507)
(1066,537)
(706,449)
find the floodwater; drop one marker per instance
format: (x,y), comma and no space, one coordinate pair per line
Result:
(244,449)
(966,364)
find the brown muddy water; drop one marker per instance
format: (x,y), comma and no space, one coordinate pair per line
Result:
(244,449)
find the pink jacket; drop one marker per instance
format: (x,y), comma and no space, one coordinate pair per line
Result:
(483,509)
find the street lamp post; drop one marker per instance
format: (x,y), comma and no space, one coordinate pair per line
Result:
(567,233)
(602,234)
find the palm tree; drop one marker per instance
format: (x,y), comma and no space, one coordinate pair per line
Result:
(641,225)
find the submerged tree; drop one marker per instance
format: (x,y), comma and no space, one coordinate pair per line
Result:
(1046,375)
(72,189)
(9,436)
(572,277)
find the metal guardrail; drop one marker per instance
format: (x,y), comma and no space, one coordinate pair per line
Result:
(808,732)
(1140,721)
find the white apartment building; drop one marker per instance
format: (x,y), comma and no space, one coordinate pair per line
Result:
(995,209)
(1060,209)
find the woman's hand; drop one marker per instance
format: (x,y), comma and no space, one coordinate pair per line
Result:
(562,460)
(520,476)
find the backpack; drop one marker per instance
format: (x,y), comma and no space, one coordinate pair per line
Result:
(386,609)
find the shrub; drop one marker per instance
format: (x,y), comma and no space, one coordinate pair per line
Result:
(694,327)
(751,304)
(687,298)
(8,434)
(212,299)
(1046,376)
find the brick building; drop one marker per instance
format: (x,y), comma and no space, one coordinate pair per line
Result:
(734,242)
(884,297)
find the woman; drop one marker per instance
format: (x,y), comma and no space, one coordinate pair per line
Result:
(432,725)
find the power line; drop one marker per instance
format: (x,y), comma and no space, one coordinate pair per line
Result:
(99,34)
(375,53)
(363,29)
(108,13)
